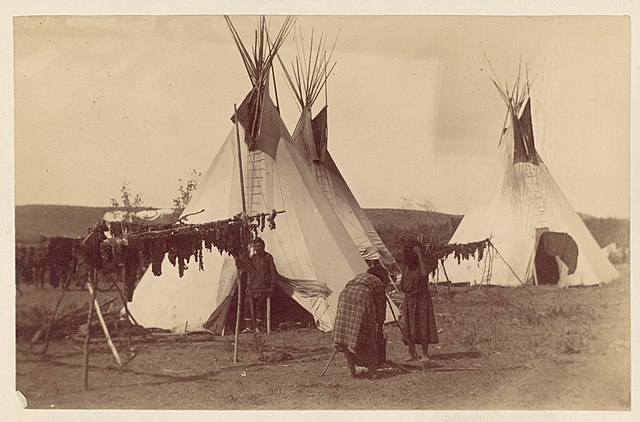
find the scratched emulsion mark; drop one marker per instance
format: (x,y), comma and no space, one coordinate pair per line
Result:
(22,399)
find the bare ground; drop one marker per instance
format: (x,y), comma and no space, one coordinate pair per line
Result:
(531,348)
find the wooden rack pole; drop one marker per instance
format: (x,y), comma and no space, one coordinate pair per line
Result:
(87,337)
(253,322)
(235,338)
(244,210)
(103,324)
(268,314)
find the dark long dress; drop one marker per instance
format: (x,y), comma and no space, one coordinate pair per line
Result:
(417,308)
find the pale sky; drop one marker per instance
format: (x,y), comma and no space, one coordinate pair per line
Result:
(412,109)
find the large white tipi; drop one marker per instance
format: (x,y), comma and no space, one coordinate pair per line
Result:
(310,246)
(307,79)
(537,236)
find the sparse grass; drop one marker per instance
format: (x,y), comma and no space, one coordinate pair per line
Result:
(499,345)
(530,322)
(36,305)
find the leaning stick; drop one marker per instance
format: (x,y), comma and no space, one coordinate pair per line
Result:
(335,350)
(104,325)
(394,317)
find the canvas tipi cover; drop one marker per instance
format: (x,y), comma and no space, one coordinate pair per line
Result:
(307,78)
(528,220)
(310,246)
(339,195)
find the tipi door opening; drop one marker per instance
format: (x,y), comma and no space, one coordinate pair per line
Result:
(285,312)
(551,251)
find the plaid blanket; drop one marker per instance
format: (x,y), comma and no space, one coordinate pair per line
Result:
(360,313)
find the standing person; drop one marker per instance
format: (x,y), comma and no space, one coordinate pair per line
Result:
(358,325)
(417,308)
(262,276)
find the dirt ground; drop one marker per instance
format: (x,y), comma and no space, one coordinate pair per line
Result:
(531,348)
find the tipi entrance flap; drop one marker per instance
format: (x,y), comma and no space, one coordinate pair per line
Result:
(561,245)
(556,257)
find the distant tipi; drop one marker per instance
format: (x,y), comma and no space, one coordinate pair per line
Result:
(310,245)
(538,237)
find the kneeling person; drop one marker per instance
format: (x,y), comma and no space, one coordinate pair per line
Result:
(359,320)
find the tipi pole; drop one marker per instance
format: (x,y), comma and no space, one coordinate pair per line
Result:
(326,88)
(87,337)
(244,201)
(275,88)
(103,324)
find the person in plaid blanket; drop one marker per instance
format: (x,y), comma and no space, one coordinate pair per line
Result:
(360,315)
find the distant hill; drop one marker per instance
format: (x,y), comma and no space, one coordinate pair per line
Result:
(34,221)
(408,219)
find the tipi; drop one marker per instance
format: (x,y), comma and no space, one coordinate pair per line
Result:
(537,237)
(310,246)
(307,79)
(149,217)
